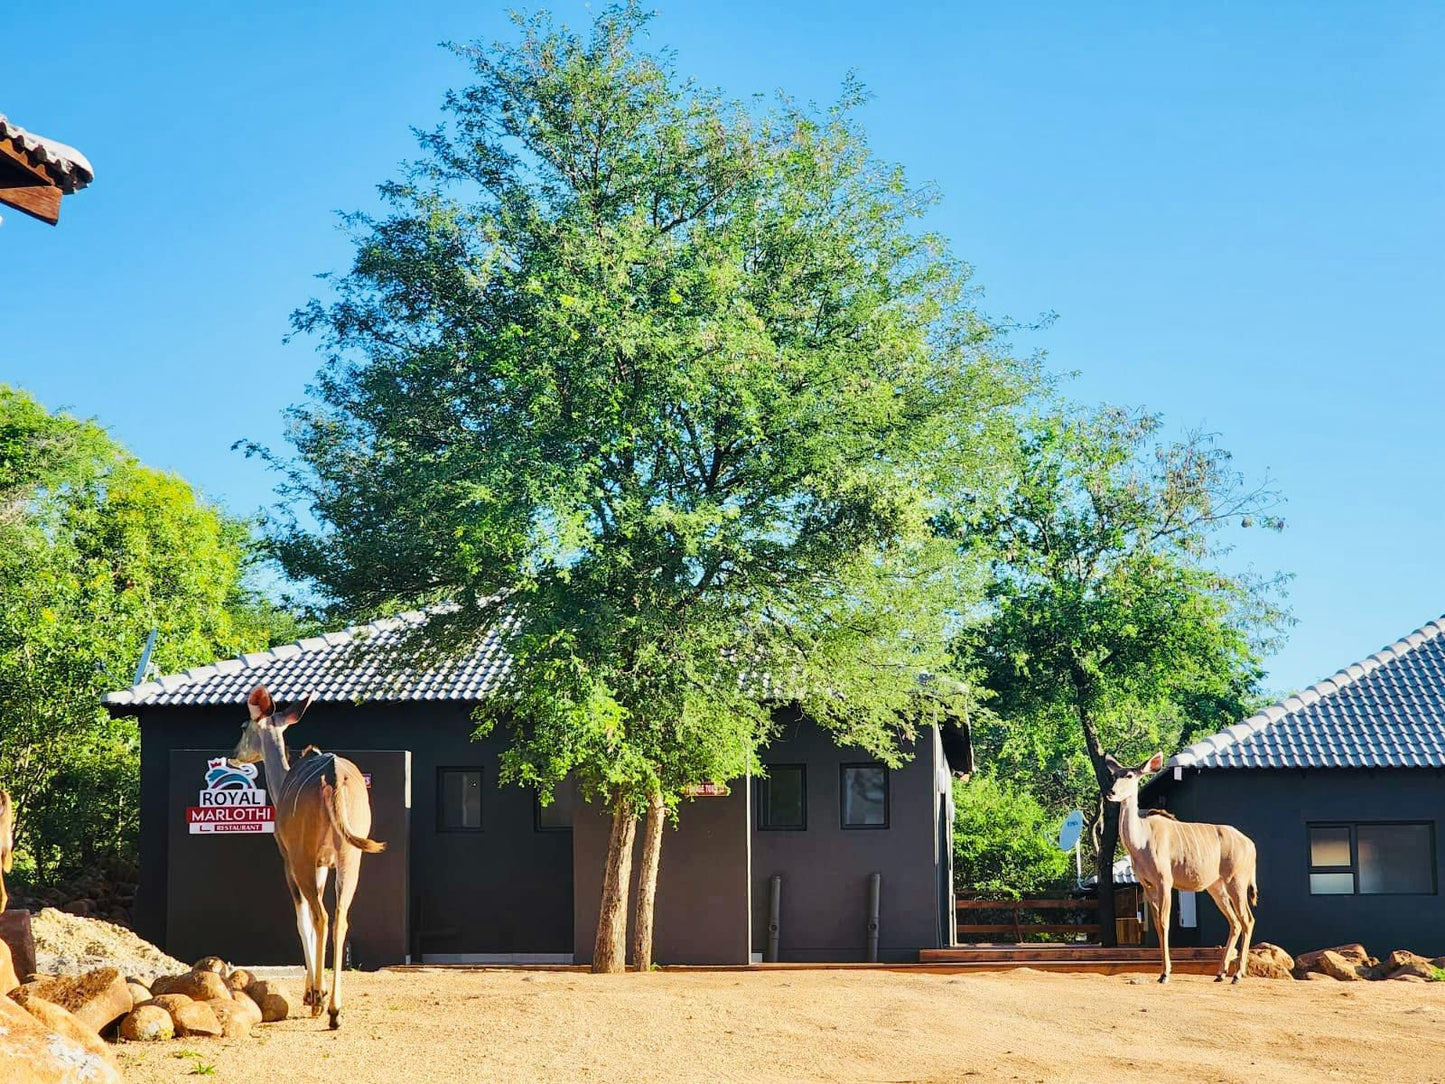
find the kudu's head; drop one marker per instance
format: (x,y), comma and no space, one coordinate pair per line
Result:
(1126,779)
(266,724)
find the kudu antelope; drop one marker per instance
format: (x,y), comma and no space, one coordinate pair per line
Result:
(323,814)
(1167,854)
(7,843)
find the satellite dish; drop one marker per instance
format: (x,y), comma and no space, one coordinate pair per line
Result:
(1069,833)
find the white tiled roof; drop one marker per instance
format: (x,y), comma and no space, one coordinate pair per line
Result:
(365,662)
(1385,712)
(67,168)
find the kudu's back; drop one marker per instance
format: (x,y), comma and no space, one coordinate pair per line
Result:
(1201,854)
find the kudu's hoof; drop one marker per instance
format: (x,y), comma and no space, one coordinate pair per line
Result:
(1163,979)
(1235,980)
(335,1019)
(1219,977)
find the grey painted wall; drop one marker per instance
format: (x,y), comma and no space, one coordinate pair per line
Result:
(702,883)
(506,889)
(825,868)
(1274,807)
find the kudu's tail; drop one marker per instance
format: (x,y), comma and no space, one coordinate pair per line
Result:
(335,803)
(1253,894)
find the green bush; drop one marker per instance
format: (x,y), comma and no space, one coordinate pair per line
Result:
(1004,842)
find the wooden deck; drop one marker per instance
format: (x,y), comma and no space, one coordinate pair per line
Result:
(947,961)
(1091,958)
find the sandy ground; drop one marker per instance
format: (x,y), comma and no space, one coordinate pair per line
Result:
(465,1027)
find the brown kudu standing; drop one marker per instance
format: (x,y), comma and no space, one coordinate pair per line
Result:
(1169,854)
(323,814)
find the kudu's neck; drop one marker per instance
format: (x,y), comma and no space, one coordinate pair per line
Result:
(1132,829)
(273,755)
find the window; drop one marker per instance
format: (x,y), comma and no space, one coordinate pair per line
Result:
(783,798)
(556,815)
(864,796)
(1372,859)
(459,799)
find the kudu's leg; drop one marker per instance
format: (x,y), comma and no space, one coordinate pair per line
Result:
(1239,896)
(1161,911)
(1226,907)
(318,919)
(348,865)
(304,929)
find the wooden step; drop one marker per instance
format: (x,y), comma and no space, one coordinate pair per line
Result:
(1092,958)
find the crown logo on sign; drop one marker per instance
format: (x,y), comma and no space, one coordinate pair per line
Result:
(222,775)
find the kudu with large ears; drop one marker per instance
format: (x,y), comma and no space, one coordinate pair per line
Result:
(1169,854)
(323,815)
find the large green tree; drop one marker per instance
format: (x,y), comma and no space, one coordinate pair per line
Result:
(671,384)
(96,550)
(1112,624)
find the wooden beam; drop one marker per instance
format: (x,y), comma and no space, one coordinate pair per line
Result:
(38,201)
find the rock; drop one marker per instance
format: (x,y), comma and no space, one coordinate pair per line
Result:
(147,1024)
(169,1002)
(1316,976)
(1405,976)
(64,1023)
(1270,962)
(30,1053)
(240,997)
(163,984)
(196,1018)
(1340,967)
(79,907)
(1404,962)
(98,998)
(236,1019)
(139,995)
(1309,961)
(239,979)
(275,1003)
(8,979)
(201,986)
(210,963)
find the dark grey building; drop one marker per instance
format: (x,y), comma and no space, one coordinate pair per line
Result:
(1342,789)
(484,872)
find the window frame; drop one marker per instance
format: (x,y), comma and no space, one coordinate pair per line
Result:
(763,825)
(1354,867)
(843,791)
(442,827)
(538,826)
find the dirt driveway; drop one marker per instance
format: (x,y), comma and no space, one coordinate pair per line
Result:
(466,1027)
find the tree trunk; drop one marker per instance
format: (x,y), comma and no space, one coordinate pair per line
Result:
(647,885)
(609,953)
(1108,844)
(1109,811)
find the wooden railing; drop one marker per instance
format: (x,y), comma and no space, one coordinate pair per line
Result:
(1019,928)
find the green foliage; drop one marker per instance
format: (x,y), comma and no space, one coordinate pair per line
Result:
(672,385)
(1004,842)
(1109,624)
(95,551)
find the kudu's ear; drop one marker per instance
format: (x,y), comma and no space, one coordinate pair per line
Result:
(1154,763)
(259,703)
(293,713)
(1112,764)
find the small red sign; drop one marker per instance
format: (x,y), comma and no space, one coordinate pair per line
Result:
(207,819)
(705,790)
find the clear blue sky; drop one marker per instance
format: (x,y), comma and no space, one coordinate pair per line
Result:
(1236,211)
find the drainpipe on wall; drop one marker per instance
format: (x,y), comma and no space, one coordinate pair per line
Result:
(775,911)
(875,883)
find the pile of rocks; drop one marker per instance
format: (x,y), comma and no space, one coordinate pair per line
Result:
(67,944)
(1343,963)
(54,1028)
